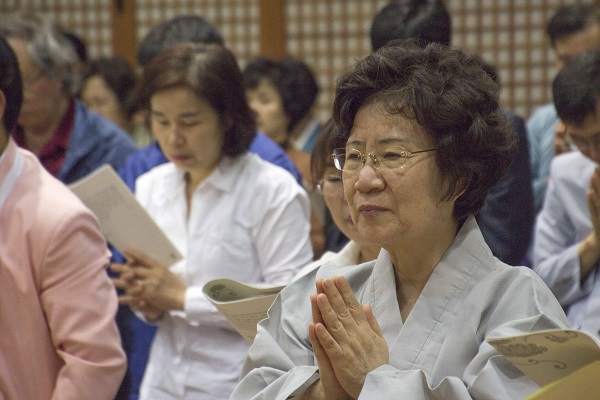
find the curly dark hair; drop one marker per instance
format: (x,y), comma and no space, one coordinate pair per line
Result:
(212,73)
(452,97)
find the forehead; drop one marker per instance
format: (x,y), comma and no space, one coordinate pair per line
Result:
(374,125)
(19,47)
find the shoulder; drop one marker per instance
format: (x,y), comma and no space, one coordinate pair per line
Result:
(105,132)
(571,166)
(52,203)
(140,162)
(264,175)
(268,150)
(544,114)
(518,289)
(155,176)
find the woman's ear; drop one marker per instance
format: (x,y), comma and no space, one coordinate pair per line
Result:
(461,186)
(2,108)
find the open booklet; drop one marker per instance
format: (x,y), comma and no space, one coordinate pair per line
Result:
(123,221)
(559,360)
(242,304)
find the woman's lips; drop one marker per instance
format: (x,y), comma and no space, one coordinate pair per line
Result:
(368,209)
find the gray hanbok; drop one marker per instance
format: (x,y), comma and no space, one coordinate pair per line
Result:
(439,352)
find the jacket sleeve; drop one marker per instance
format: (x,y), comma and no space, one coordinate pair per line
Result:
(80,304)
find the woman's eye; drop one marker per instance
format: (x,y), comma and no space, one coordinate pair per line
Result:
(188,124)
(333,179)
(353,156)
(393,155)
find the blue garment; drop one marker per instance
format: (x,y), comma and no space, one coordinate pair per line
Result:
(506,218)
(541,130)
(561,226)
(94,141)
(140,334)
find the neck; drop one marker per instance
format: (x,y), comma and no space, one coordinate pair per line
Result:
(368,253)
(37,137)
(414,264)
(3,139)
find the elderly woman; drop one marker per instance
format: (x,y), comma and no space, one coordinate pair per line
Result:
(425,140)
(229,213)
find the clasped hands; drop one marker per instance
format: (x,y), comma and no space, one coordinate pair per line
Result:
(148,286)
(346,339)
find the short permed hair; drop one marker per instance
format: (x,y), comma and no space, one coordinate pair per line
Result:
(211,72)
(452,97)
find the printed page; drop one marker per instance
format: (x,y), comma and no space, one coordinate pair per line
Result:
(123,221)
(243,305)
(547,356)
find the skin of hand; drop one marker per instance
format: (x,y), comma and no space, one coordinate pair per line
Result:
(561,144)
(132,292)
(346,338)
(148,282)
(589,250)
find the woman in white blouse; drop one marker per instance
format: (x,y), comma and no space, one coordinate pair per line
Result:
(229,213)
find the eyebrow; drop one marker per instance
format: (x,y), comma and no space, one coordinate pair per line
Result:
(382,141)
(182,115)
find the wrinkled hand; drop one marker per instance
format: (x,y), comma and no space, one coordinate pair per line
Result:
(346,338)
(148,286)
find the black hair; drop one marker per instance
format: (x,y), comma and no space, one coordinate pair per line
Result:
(182,28)
(428,21)
(10,84)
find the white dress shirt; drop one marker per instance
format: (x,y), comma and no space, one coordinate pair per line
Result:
(249,221)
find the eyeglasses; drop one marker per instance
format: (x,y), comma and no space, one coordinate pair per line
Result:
(389,157)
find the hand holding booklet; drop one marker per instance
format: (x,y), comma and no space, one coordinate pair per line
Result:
(123,221)
(564,362)
(243,305)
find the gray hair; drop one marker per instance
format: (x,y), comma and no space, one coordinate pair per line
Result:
(47,47)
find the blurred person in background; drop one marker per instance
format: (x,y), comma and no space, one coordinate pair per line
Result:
(281,97)
(572,30)
(70,141)
(329,178)
(107,88)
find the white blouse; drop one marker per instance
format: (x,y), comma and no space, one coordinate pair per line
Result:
(249,221)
